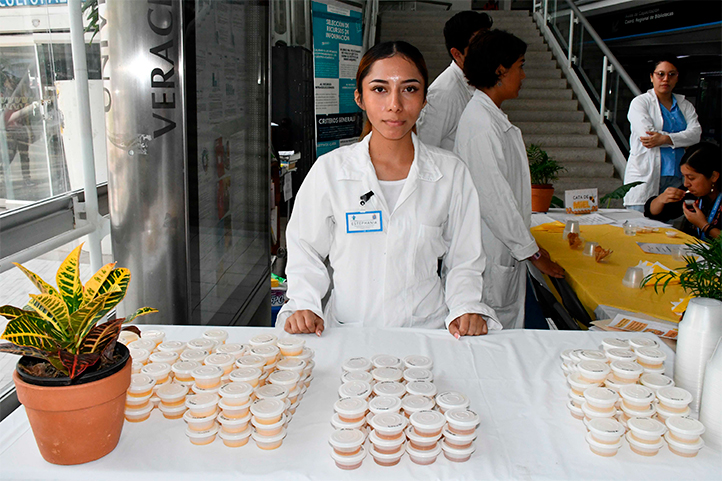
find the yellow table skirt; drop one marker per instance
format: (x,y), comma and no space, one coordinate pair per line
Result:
(598,283)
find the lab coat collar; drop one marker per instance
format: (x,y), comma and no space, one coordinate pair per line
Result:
(493,109)
(677,97)
(461,77)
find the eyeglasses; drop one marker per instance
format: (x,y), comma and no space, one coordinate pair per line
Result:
(660,75)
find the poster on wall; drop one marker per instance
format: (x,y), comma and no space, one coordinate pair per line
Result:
(337,51)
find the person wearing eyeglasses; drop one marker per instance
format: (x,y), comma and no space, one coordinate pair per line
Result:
(662,125)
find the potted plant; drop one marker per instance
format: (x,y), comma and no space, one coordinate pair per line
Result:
(543,170)
(73,376)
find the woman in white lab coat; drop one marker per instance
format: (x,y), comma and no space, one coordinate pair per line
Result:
(372,219)
(662,125)
(494,151)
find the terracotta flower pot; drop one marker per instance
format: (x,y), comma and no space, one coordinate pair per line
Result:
(541,197)
(78,423)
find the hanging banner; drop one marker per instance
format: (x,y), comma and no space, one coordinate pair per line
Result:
(337,50)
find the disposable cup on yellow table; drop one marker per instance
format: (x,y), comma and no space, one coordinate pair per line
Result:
(589,248)
(633,277)
(571,227)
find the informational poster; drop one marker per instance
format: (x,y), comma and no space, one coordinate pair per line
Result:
(337,51)
(581,201)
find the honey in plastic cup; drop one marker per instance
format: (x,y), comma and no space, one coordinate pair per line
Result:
(593,371)
(458,441)
(423,457)
(269,442)
(269,353)
(249,375)
(139,355)
(626,372)
(412,404)
(141,385)
(683,449)
(234,425)
(645,430)
(636,397)
(197,355)
(338,424)
(268,430)
(172,394)
(201,344)
(421,443)
(615,343)
(389,388)
(639,342)
(389,426)
(461,421)
(201,438)
(351,409)
(137,402)
(655,382)
(643,449)
(602,449)
(182,370)
(160,371)
(428,423)
(146,344)
(381,374)
(605,430)
(684,429)
(267,411)
(219,336)
(271,391)
(207,377)
(451,400)
(576,411)
(201,405)
(349,462)
(138,415)
(263,340)
(235,349)
(224,361)
(385,404)
(287,379)
(620,355)
(291,364)
(358,389)
(386,460)
(172,412)
(422,362)
(172,346)
(236,393)
(167,357)
(234,411)
(154,335)
(291,345)
(674,399)
(602,399)
(235,440)
(126,337)
(651,357)
(387,446)
(457,455)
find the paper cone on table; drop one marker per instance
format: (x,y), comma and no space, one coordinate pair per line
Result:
(681,306)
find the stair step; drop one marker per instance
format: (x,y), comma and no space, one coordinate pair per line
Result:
(544,83)
(560,94)
(530,128)
(543,115)
(562,140)
(532,72)
(535,104)
(604,185)
(564,154)
(583,168)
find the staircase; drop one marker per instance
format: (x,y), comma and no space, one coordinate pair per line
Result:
(546,111)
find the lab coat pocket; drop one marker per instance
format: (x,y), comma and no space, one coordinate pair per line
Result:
(429,248)
(498,285)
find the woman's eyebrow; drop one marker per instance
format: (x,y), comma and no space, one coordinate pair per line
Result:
(381,81)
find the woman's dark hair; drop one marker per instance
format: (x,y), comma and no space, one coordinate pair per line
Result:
(461,27)
(488,50)
(663,58)
(704,158)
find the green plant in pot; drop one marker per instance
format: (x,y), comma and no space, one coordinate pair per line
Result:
(73,376)
(544,170)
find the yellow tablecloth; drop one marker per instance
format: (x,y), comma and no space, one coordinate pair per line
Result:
(601,283)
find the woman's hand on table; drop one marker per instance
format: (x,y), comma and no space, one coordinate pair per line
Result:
(548,266)
(655,139)
(468,325)
(696,217)
(304,322)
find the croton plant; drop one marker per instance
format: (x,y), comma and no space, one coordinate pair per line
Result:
(60,325)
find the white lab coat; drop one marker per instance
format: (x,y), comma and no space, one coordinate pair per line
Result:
(386,278)
(494,151)
(645,164)
(445,102)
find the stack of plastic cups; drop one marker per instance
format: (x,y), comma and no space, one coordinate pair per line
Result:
(423,435)
(413,404)
(233,348)
(421,388)
(298,366)
(645,436)
(383,405)
(139,358)
(153,335)
(235,413)
(576,394)
(137,401)
(307,375)
(350,413)
(268,419)
(604,436)
(348,452)
(673,401)
(172,400)
(268,353)
(159,371)
(172,346)
(224,361)
(651,359)
(599,403)
(683,436)
(252,361)
(637,402)
(207,379)
(459,434)
(249,375)
(218,336)
(197,355)
(387,438)
(183,372)
(168,357)
(710,411)
(201,418)
(656,382)
(625,372)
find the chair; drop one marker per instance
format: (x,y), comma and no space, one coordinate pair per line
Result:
(553,310)
(571,302)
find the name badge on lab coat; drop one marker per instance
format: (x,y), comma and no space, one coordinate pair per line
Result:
(357,222)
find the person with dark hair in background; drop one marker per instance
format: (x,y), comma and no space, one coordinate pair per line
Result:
(450,92)
(494,151)
(662,124)
(371,220)
(700,205)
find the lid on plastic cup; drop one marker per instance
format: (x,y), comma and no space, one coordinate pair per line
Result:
(385,443)
(218,335)
(259,438)
(202,401)
(416,403)
(646,426)
(156,369)
(230,422)
(457,451)
(172,390)
(307,354)
(284,378)
(574,355)
(601,396)
(272,391)
(384,404)
(637,342)
(574,409)
(197,355)
(251,361)
(427,420)
(140,411)
(389,422)
(220,359)
(351,406)
(675,397)
(593,368)
(263,340)
(236,390)
(291,343)
(356,364)
(291,364)
(168,357)
(452,399)
(592,355)
(233,348)
(349,460)
(651,355)
(152,334)
(656,381)
(141,382)
(626,368)
(387,374)
(354,389)
(421,362)
(636,393)
(389,388)
(185,367)
(614,343)
(635,413)
(684,446)
(593,442)
(267,408)
(202,434)
(621,355)
(357,376)
(338,424)
(421,388)
(643,444)
(268,350)
(384,360)
(207,372)
(147,344)
(140,355)
(565,355)
(418,374)
(605,427)
(246,433)
(426,453)
(685,425)
(245,374)
(201,343)
(462,417)
(346,438)
(126,337)
(172,346)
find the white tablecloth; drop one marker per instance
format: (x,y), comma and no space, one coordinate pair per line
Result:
(513,379)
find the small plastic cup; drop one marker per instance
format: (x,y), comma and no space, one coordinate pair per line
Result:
(338,424)
(141,385)
(172,346)
(684,429)
(167,357)
(200,423)
(421,362)
(269,430)
(349,462)
(412,404)
(646,430)
(287,379)
(389,388)
(387,446)
(269,353)
(355,364)
(291,345)
(593,371)
(636,413)
(236,393)
(651,357)
(224,361)
(578,400)
(174,412)
(351,409)
(683,449)
(358,389)
(201,344)
(605,431)
(154,401)
(577,385)
(389,426)
(269,442)
(629,229)
(655,382)
(418,374)
(602,449)
(384,360)
(202,405)
(620,355)
(601,399)
(269,368)
(249,375)
(217,335)
(663,414)
(201,438)
(590,413)
(271,391)
(385,404)
(183,370)
(132,402)
(456,455)
(633,277)
(235,349)
(451,400)
(430,423)
(207,377)
(461,421)
(615,343)
(674,399)
(421,388)
(234,425)
(364,376)
(381,374)
(592,355)
(626,372)
(235,440)
(172,394)
(636,397)
(126,337)
(571,227)
(147,344)
(135,367)
(640,342)
(234,411)
(347,442)
(139,355)
(307,381)
(160,371)
(153,335)
(458,441)
(198,390)
(421,443)
(138,415)
(263,340)
(197,355)
(291,364)
(267,411)
(644,448)
(423,457)
(613,385)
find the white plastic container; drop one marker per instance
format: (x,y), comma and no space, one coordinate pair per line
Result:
(674,399)
(683,449)
(201,344)
(338,424)
(172,346)
(356,364)
(626,372)
(421,443)
(349,462)
(364,376)
(354,389)
(605,431)
(263,340)
(578,400)
(382,374)
(621,355)
(421,388)
(636,397)
(456,455)
(579,386)
(602,449)
(602,399)
(423,457)
(655,382)
(346,442)
(268,430)
(269,443)
(418,374)
(138,415)
(183,370)
(389,425)
(351,409)
(291,345)
(385,404)
(147,344)
(646,430)
(201,438)
(592,355)
(234,425)
(615,343)
(224,361)
(389,388)
(684,429)
(126,337)
(269,353)
(201,405)
(451,400)
(576,411)
(458,441)
(251,361)
(422,362)
(267,411)
(429,423)
(272,391)
(644,448)
(153,335)
(461,421)
(167,357)
(172,394)
(207,377)
(287,379)
(197,355)
(651,357)
(219,336)
(639,342)
(235,440)
(249,375)
(386,446)
(141,385)
(291,364)
(663,415)
(412,404)
(235,349)
(386,459)
(384,360)
(172,412)
(200,423)
(236,393)
(590,413)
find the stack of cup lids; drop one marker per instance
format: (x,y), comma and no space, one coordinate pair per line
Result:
(459,434)
(599,403)
(683,436)
(201,418)
(604,436)
(645,435)
(172,400)
(651,359)
(348,451)
(637,402)
(387,438)
(207,379)
(183,371)
(137,400)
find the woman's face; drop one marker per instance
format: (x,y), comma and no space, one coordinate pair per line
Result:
(697,184)
(511,79)
(664,78)
(393,96)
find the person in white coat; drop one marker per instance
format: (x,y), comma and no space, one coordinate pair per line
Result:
(494,150)
(450,92)
(381,213)
(662,125)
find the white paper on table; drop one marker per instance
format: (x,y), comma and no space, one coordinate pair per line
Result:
(644,222)
(654,248)
(539,219)
(636,324)
(586,219)
(649,267)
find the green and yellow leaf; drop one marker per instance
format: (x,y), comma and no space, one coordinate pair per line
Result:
(10,348)
(93,285)
(84,319)
(140,312)
(42,286)
(11,312)
(29,331)
(99,336)
(52,310)
(116,284)
(68,280)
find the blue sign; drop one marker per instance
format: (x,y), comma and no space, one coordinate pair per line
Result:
(30,3)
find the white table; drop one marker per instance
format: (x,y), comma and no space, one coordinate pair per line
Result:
(513,378)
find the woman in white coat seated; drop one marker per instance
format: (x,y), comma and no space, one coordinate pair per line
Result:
(494,150)
(662,125)
(371,220)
